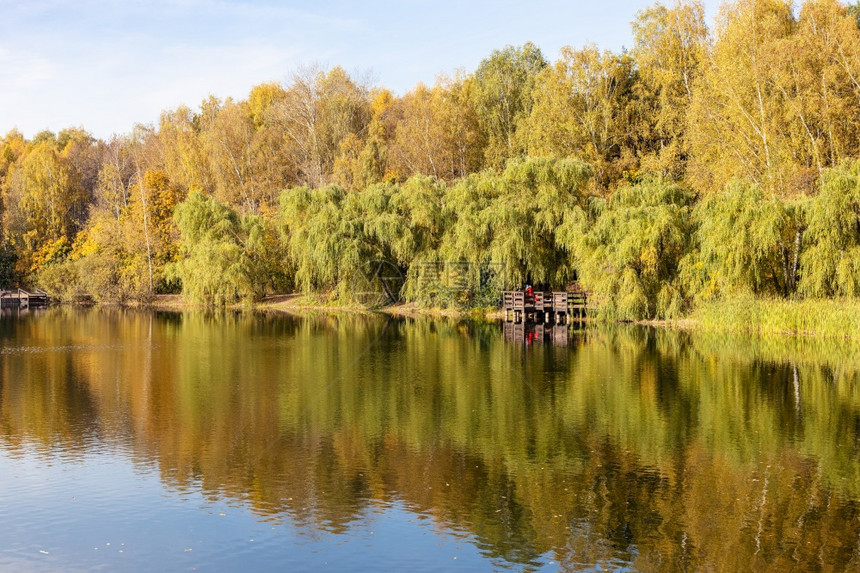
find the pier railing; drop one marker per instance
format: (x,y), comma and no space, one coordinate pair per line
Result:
(24,298)
(545,307)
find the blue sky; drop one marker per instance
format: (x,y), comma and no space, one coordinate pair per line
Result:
(106,65)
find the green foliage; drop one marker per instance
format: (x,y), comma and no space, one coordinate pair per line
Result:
(511,220)
(323,237)
(454,244)
(630,250)
(336,238)
(221,254)
(830,263)
(746,242)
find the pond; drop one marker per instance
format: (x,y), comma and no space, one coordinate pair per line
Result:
(134,440)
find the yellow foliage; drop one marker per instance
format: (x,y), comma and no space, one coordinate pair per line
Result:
(51,252)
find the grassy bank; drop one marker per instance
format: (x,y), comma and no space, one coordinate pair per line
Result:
(820,318)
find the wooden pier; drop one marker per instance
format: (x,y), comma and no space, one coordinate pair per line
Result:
(22,298)
(543,307)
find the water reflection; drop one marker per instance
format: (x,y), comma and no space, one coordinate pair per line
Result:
(621,445)
(539,333)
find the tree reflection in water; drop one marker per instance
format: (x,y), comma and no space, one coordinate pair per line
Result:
(624,445)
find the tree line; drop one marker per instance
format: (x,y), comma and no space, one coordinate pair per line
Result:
(698,164)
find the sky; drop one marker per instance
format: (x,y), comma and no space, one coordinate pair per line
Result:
(106,65)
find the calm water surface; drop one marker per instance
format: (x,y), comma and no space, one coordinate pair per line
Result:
(167,441)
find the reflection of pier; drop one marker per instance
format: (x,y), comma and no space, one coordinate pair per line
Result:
(537,332)
(17,311)
(22,298)
(543,307)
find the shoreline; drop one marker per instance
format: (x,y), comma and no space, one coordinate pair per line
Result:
(301,304)
(701,320)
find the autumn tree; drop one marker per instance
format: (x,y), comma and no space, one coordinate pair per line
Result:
(85,155)
(437,132)
(362,162)
(43,198)
(227,139)
(671,49)
(273,166)
(778,101)
(821,70)
(181,148)
(502,96)
(115,177)
(12,147)
(583,108)
(318,111)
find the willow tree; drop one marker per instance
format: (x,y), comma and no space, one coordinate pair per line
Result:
(324,237)
(830,262)
(408,219)
(630,248)
(337,239)
(510,220)
(745,242)
(219,258)
(413,226)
